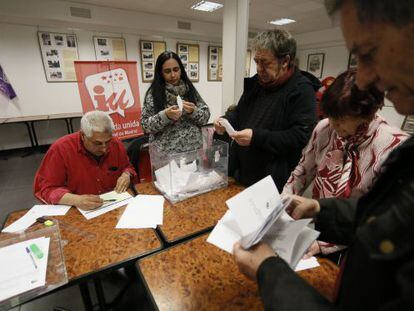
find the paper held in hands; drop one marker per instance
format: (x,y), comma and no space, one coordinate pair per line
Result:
(229,129)
(180,103)
(258,214)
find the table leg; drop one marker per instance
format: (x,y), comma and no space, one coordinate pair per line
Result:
(68,129)
(100,294)
(34,133)
(86,297)
(29,130)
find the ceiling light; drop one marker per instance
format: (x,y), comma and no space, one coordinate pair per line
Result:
(207,6)
(282,21)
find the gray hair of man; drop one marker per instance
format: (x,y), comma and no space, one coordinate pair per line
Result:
(96,121)
(278,41)
(396,12)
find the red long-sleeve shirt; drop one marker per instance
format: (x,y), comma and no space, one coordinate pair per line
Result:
(69,168)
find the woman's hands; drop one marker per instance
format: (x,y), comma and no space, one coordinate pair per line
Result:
(173,112)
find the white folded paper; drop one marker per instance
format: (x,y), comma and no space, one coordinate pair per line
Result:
(180,103)
(258,213)
(35,212)
(305,264)
(229,129)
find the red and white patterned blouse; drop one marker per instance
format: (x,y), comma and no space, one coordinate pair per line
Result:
(341,167)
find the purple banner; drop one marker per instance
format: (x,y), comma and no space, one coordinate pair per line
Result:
(5,86)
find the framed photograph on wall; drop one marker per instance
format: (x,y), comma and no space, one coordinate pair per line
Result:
(190,57)
(315,64)
(214,63)
(248,60)
(110,48)
(408,125)
(150,50)
(352,61)
(59,51)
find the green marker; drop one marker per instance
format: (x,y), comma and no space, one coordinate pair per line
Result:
(36,251)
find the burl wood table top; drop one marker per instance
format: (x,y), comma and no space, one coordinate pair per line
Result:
(95,244)
(196,275)
(193,215)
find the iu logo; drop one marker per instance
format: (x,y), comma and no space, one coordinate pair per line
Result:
(110,91)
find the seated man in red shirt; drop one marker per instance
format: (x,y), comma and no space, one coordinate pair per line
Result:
(80,166)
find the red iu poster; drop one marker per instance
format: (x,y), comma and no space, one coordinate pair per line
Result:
(112,87)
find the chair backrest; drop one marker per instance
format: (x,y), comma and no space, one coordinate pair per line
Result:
(139,157)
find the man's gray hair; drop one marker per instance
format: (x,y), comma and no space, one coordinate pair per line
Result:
(396,12)
(278,41)
(96,121)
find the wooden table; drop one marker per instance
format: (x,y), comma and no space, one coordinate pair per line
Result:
(95,245)
(196,275)
(192,216)
(91,247)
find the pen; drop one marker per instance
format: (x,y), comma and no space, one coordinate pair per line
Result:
(110,200)
(31,257)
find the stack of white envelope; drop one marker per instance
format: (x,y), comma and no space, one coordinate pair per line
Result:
(172,179)
(258,214)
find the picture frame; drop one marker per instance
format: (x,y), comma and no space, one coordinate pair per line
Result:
(190,57)
(149,52)
(58,51)
(315,64)
(248,61)
(408,125)
(352,61)
(214,61)
(109,48)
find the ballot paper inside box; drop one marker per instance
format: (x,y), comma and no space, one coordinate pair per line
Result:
(179,176)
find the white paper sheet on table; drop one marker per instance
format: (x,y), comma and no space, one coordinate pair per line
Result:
(144,211)
(308,263)
(35,212)
(122,199)
(17,271)
(256,214)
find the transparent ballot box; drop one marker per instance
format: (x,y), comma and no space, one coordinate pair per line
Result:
(32,264)
(180,176)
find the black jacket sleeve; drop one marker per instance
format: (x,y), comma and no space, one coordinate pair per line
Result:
(302,119)
(336,220)
(282,289)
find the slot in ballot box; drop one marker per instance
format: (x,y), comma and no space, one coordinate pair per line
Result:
(179,176)
(31,263)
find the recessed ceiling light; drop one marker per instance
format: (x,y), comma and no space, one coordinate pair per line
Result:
(282,21)
(207,6)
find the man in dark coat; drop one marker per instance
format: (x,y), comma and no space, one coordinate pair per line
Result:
(275,115)
(378,270)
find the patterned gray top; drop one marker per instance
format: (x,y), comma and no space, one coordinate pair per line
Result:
(174,136)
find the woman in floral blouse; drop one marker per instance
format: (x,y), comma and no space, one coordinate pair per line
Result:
(345,153)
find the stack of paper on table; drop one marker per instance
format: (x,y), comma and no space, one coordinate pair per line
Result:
(35,212)
(258,214)
(173,179)
(21,271)
(114,199)
(143,211)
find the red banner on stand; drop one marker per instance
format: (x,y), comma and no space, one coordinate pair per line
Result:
(112,86)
